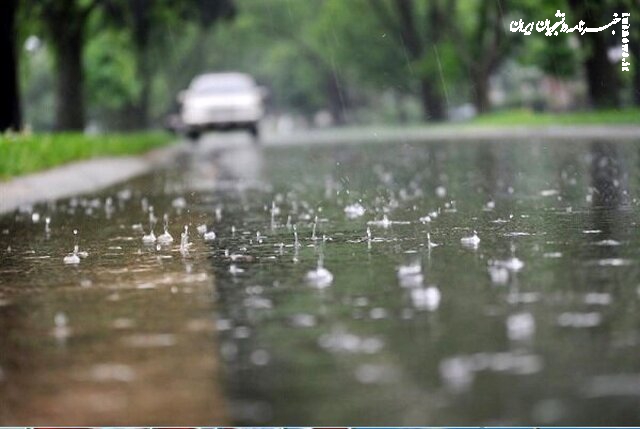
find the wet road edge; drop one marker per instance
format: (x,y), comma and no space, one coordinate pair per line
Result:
(80,177)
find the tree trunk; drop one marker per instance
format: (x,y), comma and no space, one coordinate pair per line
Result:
(142,26)
(336,98)
(634,47)
(432,102)
(602,79)
(481,92)
(10,117)
(67,32)
(403,118)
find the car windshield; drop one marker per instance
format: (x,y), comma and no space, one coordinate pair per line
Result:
(221,84)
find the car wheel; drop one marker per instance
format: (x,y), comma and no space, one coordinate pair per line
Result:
(255,132)
(193,136)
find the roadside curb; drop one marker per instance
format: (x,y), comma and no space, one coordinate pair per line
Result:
(80,177)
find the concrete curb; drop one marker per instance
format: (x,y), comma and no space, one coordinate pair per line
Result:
(80,177)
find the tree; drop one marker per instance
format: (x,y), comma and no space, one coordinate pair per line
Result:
(10,117)
(147,21)
(284,43)
(64,22)
(482,47)
(405,18)
(601,74)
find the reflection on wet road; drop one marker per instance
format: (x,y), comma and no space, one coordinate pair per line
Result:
(404,284)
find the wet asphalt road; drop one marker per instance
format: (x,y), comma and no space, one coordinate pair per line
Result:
(416,324)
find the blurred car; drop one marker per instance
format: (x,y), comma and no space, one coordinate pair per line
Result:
(221,101)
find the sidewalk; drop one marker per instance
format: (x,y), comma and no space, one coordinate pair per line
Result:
(79,177)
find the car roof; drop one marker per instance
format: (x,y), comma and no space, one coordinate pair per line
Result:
(222,80)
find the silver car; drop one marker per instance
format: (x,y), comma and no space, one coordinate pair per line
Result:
(221,101)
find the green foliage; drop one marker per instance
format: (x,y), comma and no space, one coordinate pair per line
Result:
(556,55)
(296,48)
(25,153)
(112,81)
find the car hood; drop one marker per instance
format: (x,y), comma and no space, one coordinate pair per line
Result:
(222,100)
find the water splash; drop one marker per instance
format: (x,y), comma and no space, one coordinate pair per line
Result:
(512,264)
(472,241)
(151,237)
(384,223)
(319,277)
(431,244)
(499,275)
(296,243)
(73,258)
(313,232)
(184,241)
(61,330)
(354,211)
(410,276)
(426,298)
(521,326)
(209,236)
(165,238)
(275,210)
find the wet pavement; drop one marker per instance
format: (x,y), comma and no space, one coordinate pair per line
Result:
(386,309)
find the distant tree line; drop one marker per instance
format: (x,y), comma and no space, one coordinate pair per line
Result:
(64,25)
(123,61)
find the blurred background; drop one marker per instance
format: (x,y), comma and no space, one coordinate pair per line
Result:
(538,324)
(103,65)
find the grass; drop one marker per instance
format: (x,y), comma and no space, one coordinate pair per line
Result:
(528,117)
(26,153)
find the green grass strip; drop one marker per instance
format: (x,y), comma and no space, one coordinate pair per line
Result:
(24,153)
(528,117)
